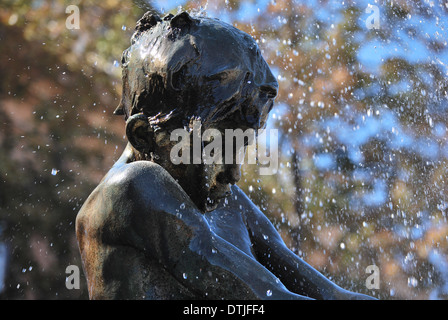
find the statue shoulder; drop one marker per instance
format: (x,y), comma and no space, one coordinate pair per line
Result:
(133,196)
(142,173)
(141,184)
(137,184)
(139,181)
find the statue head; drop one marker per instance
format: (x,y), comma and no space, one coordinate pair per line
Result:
(183,68)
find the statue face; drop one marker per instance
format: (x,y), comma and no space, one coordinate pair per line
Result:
(236,83)
(198,68)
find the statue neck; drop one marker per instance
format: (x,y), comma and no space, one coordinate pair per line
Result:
(129,155)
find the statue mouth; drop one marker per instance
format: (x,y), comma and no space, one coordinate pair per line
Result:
(220,191)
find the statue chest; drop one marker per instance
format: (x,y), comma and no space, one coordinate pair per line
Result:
(229,224)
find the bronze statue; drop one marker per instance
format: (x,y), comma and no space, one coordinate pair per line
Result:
(156,230)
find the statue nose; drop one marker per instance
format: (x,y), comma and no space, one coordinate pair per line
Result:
(270,90)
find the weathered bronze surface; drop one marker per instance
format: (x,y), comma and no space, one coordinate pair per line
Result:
(155,230)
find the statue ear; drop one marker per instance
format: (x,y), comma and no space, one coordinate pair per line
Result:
(140,133)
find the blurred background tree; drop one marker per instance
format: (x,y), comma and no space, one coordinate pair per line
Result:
(361,113)
(58,138)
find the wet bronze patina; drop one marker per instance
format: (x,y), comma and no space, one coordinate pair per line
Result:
(155,230)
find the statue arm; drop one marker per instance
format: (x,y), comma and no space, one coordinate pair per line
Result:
(180,239)
(297,275)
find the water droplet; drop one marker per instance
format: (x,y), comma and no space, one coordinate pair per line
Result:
(269,293)
(54,171)
(123,27)
(214,250)
(412,282)
(184,275)
(265,237)
(182,206)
